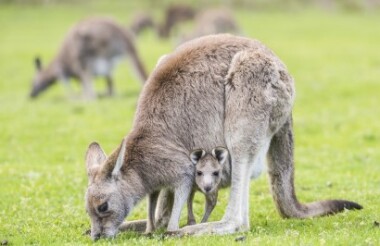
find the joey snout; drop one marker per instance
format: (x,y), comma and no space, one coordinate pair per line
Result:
(207,188)
(207,183)
(95,236)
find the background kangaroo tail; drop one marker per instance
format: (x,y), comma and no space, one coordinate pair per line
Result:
(281,173)
(134,58)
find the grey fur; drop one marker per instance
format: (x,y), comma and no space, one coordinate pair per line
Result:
(219,90)
(91,48)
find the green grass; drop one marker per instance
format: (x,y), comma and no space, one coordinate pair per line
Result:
(334,58)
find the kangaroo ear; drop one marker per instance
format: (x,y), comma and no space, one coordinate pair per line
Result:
(221,154)
(114,162)
(120,158)
(197,154)
(95,156)
(38,63)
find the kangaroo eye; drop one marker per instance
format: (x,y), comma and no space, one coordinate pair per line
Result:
(199,173)
(216,174)
(103,207)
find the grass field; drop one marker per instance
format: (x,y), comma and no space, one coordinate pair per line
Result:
(334,58)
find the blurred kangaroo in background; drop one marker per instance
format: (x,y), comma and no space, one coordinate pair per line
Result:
(91,48)
(212,21)
(174,15)
(142,21)
(245,95)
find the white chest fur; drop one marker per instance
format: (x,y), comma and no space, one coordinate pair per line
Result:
(103,67)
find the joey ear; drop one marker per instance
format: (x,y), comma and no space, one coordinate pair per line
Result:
(197,154)
(221,154)
(95,156)
(38,63)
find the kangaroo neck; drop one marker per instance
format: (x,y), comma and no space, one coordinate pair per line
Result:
(154,160)
(131,182)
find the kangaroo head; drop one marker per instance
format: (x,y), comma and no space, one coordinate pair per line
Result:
(108,199)
(43,78)
(208,167)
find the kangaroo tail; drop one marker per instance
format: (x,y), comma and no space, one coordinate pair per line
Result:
(134,58)
(281,173)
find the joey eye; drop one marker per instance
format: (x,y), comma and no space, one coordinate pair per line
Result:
(199,173)
(216,174)
(103,207)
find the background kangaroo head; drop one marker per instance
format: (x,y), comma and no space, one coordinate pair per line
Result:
(108,200)
(43,78)
(209,167)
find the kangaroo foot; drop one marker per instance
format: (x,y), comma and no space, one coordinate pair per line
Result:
(137,226)
(219,227)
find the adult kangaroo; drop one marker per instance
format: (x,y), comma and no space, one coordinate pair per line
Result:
(91,48)
(212,21)
(218,90)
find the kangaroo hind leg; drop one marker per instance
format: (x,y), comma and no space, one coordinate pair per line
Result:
(151,209)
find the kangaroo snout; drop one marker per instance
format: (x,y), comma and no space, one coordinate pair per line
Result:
(96,236)
(32,95)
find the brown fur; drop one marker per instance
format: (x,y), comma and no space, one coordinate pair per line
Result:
(90,48)
(219,90)
(174,15)
(213,21)
(140,22)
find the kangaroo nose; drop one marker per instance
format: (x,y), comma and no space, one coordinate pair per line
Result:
(96,236)
(207,188)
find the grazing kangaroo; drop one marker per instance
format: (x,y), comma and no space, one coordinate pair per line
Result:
(245,96)
(91,48)
(140,22)
(213,21)
(174,15)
